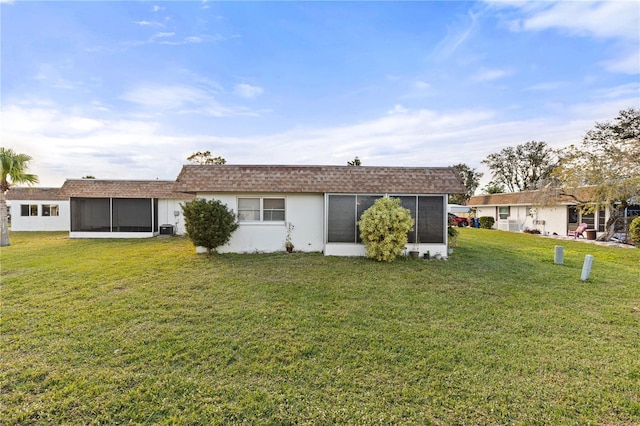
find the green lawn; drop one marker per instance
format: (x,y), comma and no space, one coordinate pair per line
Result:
(146,332)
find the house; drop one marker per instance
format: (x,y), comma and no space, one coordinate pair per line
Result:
(122,208)
(517,211)
(38,209)
(323,203)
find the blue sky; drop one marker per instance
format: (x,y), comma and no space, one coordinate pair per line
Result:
(128,90)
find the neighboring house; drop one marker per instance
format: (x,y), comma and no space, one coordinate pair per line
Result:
(323,203)
(518,211)
(38,209)
(122,208)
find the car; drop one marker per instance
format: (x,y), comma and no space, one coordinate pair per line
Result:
(460,221)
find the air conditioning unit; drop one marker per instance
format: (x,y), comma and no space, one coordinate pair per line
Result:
(166,229)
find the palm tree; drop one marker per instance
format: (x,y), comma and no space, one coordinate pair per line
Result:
(12,171)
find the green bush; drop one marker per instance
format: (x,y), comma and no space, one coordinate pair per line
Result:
(486,222)
(209,224)
(384,227)
(634,231)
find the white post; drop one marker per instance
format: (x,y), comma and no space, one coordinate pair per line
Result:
(558,257)
(586,267)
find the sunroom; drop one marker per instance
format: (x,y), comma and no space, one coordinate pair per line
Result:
(122,209)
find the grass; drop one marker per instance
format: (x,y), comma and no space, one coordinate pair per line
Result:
(147,332)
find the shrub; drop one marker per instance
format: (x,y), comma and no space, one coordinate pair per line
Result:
(486,222)
(452,233)
(634,231)
(384,227)
(209,224)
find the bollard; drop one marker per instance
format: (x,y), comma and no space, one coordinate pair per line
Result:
(586,268)
(558,257)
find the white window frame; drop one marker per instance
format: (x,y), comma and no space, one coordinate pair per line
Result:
(261,209)
(31,210)
(53,209)
(505,214)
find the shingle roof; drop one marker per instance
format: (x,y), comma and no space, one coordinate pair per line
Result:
(93,188)
(319,179)
(28,193)
(526,198)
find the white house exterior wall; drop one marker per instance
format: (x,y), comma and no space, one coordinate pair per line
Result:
(170,213)
(555,220)
(548,220)
(486,211)
(304,211)
(39,223)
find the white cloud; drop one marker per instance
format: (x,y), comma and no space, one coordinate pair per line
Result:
(183,99)
(611,20)
(600,19)
(162,35)
(487,75)
(170,97)
(456,37)
(625,63)
(397,109)
(72,144)
(248,91)
(546,86)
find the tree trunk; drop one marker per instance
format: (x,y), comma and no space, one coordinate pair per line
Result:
(4,220)
(610,227)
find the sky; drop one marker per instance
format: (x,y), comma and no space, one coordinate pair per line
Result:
(128,90)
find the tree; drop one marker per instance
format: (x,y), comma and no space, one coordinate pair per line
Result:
(209,224)
(13,170)
(634,231)
(523,167)
(604,171)
(205,158)
(470,179)
(88,177)
(356,162)
(493,188)
(384,227)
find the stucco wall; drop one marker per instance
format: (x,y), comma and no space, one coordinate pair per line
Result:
(521,217)
(167,210)
(39,223)
(305,212)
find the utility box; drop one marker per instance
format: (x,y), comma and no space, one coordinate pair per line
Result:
(166,229)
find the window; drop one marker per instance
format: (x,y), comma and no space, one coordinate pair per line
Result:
(273,209)
(90,215)
(503,213)
(572,215)
(50,210)
(589,219)
(602,220)
(261,210)
(363,203)
(131,215)
(28,210)
(114,215)
(430,220)
(341,217)
(344,211)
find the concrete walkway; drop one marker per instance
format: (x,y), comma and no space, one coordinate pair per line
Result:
(596,242)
